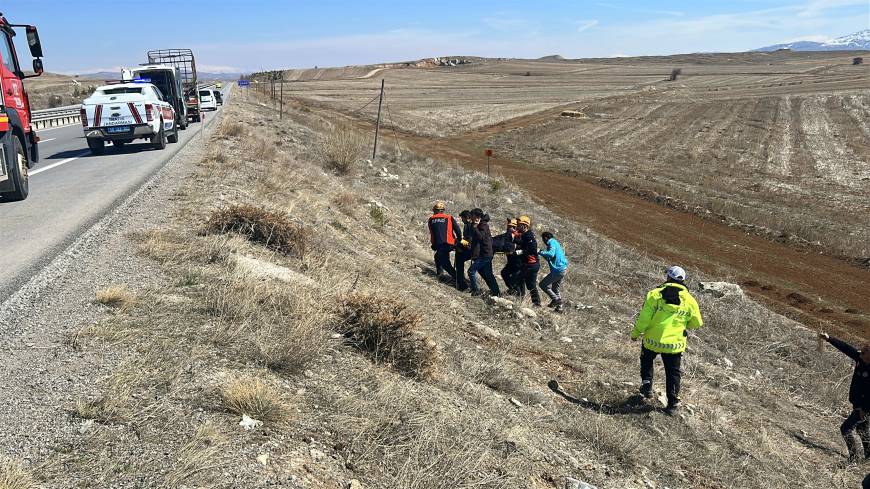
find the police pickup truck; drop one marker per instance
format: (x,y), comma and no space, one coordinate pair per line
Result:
(124,112)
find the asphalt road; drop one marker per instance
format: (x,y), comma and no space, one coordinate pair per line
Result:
(70,189)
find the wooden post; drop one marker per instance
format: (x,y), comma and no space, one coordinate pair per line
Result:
(281,113)
(378,122)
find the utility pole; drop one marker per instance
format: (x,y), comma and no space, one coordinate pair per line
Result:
(378,122)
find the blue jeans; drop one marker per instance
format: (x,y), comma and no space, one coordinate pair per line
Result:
(483,265)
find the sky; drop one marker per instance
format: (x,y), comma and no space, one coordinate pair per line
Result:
(253,35)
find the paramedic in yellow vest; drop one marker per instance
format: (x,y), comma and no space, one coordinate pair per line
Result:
(669,310)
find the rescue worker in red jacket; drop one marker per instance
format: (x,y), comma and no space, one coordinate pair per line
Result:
(444,233)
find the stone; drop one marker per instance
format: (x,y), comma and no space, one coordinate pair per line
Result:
(566,339)
(528,312)
(721,289)
(263,458)
(571,483)
(249,423)
(503,303)
(516,402)
(354,484)
(261,269)
(486,331)
(727,363)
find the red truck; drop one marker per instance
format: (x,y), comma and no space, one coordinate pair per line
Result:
(18,141)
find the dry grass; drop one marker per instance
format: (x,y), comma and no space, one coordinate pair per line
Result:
(342,148)
(388,330)
(260,149)
(201,454)
(230,128)
(116,296)
(247,394)
(14,476)
(274,230)
(277,325)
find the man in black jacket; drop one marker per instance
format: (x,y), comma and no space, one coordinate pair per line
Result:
(463,250)
(512,270)
(444,233)
(481,254)
(859,397)
(528,250)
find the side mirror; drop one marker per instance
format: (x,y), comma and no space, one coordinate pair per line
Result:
(33,42)
(37,66)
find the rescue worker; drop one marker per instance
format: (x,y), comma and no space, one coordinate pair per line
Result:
(444,233)
(552,283)
(481,254)
(528,250)
(510,272)
(463,250)
(667,312)
(859,397)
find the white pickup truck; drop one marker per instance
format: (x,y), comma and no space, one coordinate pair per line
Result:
(123,112)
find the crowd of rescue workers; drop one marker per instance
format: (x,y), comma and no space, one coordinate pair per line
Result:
(668,313)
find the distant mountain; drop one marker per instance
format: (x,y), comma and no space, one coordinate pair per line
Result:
(852,42)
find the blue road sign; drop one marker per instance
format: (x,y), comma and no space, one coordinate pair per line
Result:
(244,83)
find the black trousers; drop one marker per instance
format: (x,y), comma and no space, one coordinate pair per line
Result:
(672,363)
(856,422)
(442,260)
(511,274)
(461,258)
(530,280)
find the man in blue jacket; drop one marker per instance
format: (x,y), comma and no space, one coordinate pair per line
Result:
(859,397)
(552,283)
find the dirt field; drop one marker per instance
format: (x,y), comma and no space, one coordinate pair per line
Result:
(42,88)
(773,145)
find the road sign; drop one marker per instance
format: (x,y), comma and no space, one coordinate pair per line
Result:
(244,83)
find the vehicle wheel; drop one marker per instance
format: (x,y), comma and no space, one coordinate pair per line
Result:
(159,141)
(173,138)
(18,173)
(97,146)
(182,124)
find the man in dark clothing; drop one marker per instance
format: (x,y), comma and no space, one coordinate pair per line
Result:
(528,250)
(444,233)
(463,250)
(481,254)
(510,272)
(859,397)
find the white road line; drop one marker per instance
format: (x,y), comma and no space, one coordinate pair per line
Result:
(46,140)
(62,162)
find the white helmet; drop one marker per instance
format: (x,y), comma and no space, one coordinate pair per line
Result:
(676,273)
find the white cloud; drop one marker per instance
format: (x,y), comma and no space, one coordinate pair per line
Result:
(583,25)
(218,68)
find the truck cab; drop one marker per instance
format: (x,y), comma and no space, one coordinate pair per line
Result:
(18,141)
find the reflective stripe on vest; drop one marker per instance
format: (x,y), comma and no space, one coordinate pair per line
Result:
(448,219)
(678,346)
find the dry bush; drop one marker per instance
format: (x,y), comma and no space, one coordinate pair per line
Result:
(246,394)
(278,325)
(14,476)
(857,61)
(388,330)
(230,128)
(117,296)
(261,150)
(675,73)
(198,455)
(273,229)
(346,202)
(341,149)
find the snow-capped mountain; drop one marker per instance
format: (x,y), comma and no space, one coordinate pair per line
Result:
(857,41)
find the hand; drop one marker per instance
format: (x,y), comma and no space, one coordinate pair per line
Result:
(464,243)
(518,252)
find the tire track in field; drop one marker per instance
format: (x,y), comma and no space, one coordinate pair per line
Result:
(638,132)
(832,159)
(779,156)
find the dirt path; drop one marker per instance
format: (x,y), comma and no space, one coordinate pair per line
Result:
(817,290)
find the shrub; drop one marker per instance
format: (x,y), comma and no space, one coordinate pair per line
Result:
(857,61)
(676,72)
(341,149)
(231,128)
(387,330)
(116,296)
(13,476)
(250,395)
(495,185)
(272,229)
(378,215)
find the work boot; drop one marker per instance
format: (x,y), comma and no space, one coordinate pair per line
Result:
(673,408)
(558,306)
(477,293)
(646,390)
(552,303)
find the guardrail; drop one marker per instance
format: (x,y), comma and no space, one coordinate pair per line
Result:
(58,116)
